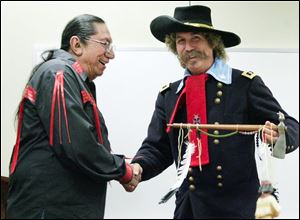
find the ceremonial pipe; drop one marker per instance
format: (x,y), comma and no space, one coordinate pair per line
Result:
(229,127)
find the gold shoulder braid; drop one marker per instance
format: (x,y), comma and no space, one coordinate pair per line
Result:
(165,87)
(249,74)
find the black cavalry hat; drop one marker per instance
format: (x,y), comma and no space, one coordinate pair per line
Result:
(194,18)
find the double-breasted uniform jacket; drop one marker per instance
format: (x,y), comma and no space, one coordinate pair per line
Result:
(228,185)
(62,161)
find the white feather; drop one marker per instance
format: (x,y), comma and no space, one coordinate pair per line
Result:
(182,172)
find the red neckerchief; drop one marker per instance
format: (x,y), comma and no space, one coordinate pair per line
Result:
(196,114)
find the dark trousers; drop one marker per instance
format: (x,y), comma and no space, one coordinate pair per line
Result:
(185,210)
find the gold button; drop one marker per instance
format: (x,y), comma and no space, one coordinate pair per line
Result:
(217,100)
(192,187)
(191,179)
(216,123)
(216,132)
(219,177)
(219,93)
(219,168)
(216,141)
(220,185)
(219,85)
(190,170)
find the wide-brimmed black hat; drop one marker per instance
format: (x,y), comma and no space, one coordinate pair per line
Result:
(194,18)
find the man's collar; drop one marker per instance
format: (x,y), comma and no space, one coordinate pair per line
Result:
(219,70)
(71,60)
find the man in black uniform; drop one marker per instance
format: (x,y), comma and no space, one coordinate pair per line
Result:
(62,159)
(222,181)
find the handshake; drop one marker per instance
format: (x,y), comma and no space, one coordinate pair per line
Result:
(135,179)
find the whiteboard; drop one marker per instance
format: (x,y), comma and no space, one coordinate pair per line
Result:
(126,95)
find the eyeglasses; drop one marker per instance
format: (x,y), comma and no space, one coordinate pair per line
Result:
(105,44)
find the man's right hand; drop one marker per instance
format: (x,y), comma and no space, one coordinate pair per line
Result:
(136,178)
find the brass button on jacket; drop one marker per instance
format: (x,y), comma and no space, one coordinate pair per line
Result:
(219,168)
(192,187)
(219,85)
(191,179)
(216,132)
(216,141)
(217,100)
(219,93)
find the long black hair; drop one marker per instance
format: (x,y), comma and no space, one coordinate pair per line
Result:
(81,26)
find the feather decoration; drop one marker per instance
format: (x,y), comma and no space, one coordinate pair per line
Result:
(182,172)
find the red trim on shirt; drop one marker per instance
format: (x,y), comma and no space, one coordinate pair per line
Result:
(128,175)
(77,67)
(58,93)
(30,94)
(86,97)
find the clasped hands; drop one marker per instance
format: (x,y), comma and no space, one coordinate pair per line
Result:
(136,177)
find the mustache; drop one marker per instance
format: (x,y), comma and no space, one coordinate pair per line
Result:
(199,54)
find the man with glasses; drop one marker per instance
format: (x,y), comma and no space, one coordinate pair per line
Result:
(62,159)
(109,48)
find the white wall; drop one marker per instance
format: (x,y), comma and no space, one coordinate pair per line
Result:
(27,27)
